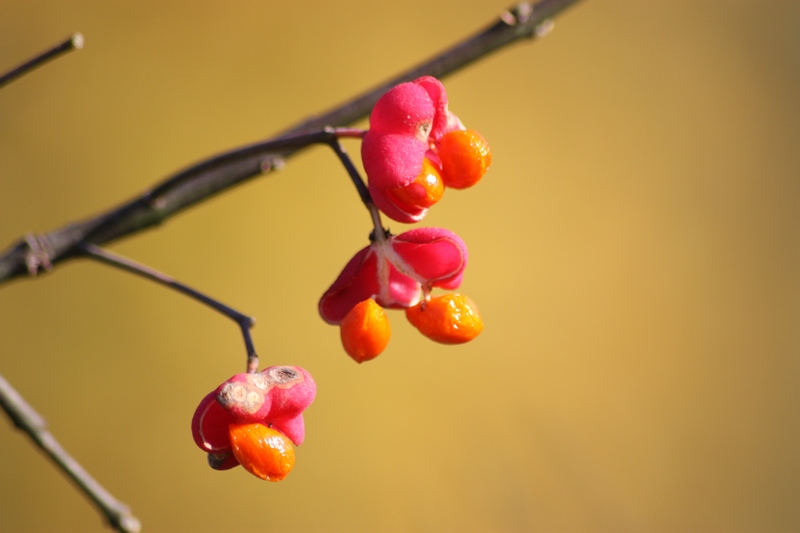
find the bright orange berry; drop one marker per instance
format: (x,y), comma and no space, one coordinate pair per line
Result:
(426,189)
(449,319)
(365,331)
(465,157)
(264,452)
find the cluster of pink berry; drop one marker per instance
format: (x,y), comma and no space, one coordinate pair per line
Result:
(253,419)
(414,149)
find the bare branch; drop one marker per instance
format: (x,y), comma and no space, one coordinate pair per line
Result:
(123,263)
(219,173)
(28,420)
(74,42)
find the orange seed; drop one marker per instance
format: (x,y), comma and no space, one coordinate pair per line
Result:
(264,452)
(449,319)
(465,157)
(426,189)
(365,331)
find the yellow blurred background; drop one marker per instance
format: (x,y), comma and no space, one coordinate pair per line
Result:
(634,252)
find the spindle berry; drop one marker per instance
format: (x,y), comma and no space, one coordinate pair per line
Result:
(365,331)
(448,319)
(264,452)
(274,398)
(408,127)
(465,157)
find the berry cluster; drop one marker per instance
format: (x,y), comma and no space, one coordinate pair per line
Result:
(253,419)
(415,149)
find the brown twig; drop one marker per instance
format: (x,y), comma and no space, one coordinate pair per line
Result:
(28,420)
(207,178)
(74,42)
(123,263)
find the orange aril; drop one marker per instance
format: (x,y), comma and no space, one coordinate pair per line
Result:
(465,157)
(426,189)
(365,331)
(449,319)
(264,452)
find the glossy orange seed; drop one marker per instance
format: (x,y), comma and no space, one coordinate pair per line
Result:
(264,452)
(426,189)
(465,157)
(365,331)
(449,319)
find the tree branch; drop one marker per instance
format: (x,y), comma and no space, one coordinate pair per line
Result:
(207,178)
(28,420)
(123,263)
(74,42)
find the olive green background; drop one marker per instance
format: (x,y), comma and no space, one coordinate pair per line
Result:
(634,249)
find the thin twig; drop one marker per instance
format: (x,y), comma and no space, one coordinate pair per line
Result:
(217,174)
(123,263)
(28,420)
(352,171)
(379,233)
(74,42)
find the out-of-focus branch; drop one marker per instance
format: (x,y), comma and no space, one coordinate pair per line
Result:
(74,42)
(28,420)
(219,173)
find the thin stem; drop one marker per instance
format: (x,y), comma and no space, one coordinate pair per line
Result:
(123,263)
(28,420)
(74,42)
(380,232)
(352,171)
(207,178)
